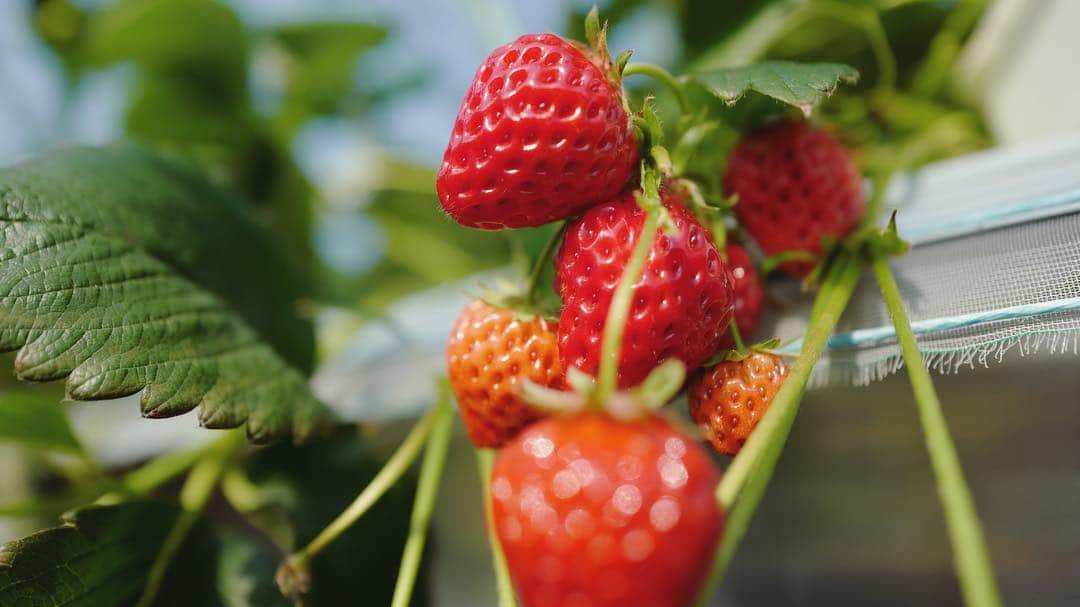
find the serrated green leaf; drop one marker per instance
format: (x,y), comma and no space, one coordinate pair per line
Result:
(124,271)
(99,556)
(35,420)
(802,85)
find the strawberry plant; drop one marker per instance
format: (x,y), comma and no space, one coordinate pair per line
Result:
(653,208)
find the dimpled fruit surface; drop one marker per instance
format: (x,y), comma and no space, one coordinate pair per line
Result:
(602,513)
(727,400)
(541,134)
(680,305)
(490,351)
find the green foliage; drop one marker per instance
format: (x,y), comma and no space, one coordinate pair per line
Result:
(245,574)
(802,85)
(36,421)
(302,488)
(123,270)
(424,248)
(100,556)
(201,36)
(320,73)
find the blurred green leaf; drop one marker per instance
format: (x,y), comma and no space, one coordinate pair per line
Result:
(245,574)
(424,248)
(202,37)
(323,60)
(308,487)
(177,111)
(124,271)
(35,420)
(802,85)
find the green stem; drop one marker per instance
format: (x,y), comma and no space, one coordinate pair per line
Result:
(663,76)
(945,47)
(736,336)
(619,309)
(194,495)
(505,589)
(541,263)
(970,553)
(164,468)
(749,473)
(427,490)
(868,21)
(393,470)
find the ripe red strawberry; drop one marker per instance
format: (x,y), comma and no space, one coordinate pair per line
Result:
(490,351)
(681,304)
(795,183)
(728,400)
(593,511)
(748,293)
(541,135)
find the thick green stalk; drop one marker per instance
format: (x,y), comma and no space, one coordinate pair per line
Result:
(972,559)
(615,324)
(431,470)
(196,492)
(749,473)
(505,589)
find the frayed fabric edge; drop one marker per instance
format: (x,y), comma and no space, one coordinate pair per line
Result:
(831,372)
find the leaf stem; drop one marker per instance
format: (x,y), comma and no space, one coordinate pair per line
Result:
(972,559)
(503,586)
(431,470)
(162,469)
(391,471)
(736,336)
(932,74)
(619,308)
(194,495)
(663,76)
(749,473)
(541,262)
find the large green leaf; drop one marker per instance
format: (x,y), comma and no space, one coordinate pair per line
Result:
(126,271)
(802,85)
(35,420)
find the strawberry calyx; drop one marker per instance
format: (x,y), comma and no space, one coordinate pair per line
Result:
(655,391)
(742,351)
(869,241)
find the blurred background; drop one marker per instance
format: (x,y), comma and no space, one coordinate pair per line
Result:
(331,117)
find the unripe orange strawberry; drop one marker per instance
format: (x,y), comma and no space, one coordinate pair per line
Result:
(727,400)
(490,351)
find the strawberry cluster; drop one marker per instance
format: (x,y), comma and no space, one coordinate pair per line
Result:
(594,508)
